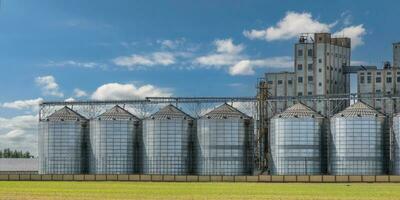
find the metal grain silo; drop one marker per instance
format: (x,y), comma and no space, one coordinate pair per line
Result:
(166,142)
(356,143)
(61,143)
(113,142)
(295,142)
(223,143)
(396,145)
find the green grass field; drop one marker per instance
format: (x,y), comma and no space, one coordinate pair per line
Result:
(209,191)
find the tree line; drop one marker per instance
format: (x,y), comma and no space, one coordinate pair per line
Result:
(8,153)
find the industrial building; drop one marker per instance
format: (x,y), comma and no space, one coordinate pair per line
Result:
(166,140)
(396,145)
(319,63)
(357,141)
(223,144)
(113,142)
(62,143)
(304,122)
(296,142)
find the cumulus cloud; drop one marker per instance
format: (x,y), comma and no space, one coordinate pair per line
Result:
(80,93)
(71,99)
(293,24)
(171,44)
(23,104)
(246,67)
(135,60)
(242,68)
(72,63)
(19,133)
(289,27)
(226,53)
(227,46)
(117,91)
(356,34)
(230,55)
(49,86)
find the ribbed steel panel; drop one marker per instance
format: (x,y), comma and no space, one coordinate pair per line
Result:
(396,147)
(61,143)
(295,142)
(166,142)
(224,143)
(357,141)
(113,142)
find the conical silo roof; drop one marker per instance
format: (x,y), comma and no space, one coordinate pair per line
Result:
(359,109)
(225,111)
(65,114)
(297,111)
(116,113)
(170,112)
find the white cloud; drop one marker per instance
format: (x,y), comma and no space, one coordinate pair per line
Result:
(356,34)
(242,68)
(72,63)
(171,44)
(246,67)
(79,93)
(218,60)
(227,46)
(135,60)
(226,53)
(32,104)
(71,99)
(289,27)
(49,86)
(117,91)
(19,133)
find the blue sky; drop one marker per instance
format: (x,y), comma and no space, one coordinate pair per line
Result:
(81,49)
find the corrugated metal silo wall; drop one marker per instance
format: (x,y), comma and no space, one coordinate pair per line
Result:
(224,147)
(295,146)
(396,146)
(61,147)
(113,146)
(357,146)
(166,146)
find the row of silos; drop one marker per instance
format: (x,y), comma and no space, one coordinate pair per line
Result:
(356,142)
(167,142)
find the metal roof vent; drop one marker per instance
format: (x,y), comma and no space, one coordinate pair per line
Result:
(359,109)
(117,113)
(170,112)
(225,111)
(65,114)
(299,110)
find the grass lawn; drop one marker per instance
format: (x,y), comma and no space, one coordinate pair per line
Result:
(209,191)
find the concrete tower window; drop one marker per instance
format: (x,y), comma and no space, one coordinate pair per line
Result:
(280,82)
(310,68)
(290,82)
(378,79)
(310,78)
(361,79)
(389,79)
(398,79)
(300,79)
(320,60)
(299,67)
(368,79)
(310,52)
(300,52)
